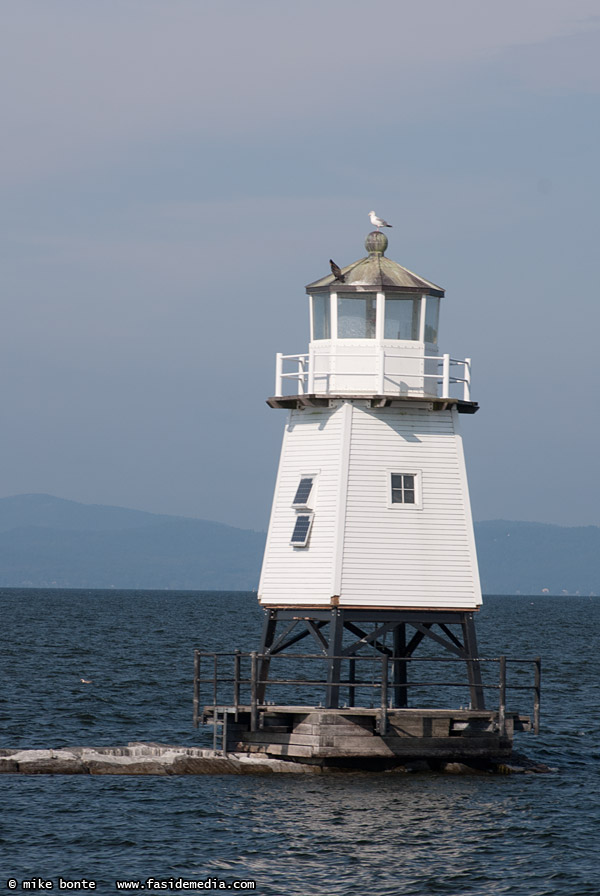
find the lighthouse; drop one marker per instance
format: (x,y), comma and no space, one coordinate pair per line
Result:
(369,584)
(371,533)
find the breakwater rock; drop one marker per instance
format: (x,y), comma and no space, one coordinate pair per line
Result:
(163,759)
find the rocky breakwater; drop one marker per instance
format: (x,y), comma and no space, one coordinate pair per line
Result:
(137,759)
(161,759)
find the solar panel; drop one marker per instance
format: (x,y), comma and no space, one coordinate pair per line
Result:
(301,529)
(304,490)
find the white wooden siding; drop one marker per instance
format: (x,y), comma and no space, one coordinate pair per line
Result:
(294,576)
(403,555)
(360,548)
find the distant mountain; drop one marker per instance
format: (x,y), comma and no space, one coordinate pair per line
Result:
(533,558)
(50,542)
(21,511)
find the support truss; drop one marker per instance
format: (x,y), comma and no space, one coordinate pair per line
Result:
(340,633)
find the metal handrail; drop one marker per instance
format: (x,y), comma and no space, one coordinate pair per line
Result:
(383,684)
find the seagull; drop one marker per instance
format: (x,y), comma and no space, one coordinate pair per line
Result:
(378,222)
(86,681)
(337,273)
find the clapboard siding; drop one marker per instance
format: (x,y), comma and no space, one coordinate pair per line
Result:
(295,576)
(404,556)
(362,550)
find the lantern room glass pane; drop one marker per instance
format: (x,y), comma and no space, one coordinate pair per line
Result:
(432,314)
(356,316)
(401,318)
(321,319)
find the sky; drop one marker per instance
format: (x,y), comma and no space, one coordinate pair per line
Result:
(174,172)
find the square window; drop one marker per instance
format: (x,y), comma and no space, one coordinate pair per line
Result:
(405,489)
(302,529)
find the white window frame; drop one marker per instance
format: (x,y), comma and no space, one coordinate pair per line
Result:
(422,318)
(406,471)
(302,544)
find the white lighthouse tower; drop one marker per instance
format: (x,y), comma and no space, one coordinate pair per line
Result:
(371,531)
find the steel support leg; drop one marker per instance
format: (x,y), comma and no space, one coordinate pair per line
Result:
(334,666)
(473,668)
(399,667)
(268,637)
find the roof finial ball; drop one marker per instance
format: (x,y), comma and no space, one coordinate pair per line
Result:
(376,243)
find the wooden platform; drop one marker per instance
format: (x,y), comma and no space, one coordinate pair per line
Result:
(355,734)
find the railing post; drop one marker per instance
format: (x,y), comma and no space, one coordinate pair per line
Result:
(236,682)
(384,695)
(278,377)
(502,698)
(196,687)
(445,376)
(224,732)
(311,373)
(300,376)
(215,678)
(536,694)
(467,383)
(253,691)
(351,680)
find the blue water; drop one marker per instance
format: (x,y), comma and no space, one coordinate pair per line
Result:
(349,834)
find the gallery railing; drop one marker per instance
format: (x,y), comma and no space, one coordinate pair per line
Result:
(306,380)
(239,685)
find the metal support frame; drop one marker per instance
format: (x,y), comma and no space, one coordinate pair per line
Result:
(473,665)
(334,666)
(327,626)
(399,668)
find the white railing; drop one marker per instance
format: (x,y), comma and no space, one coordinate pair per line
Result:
(304,373)
(300,374)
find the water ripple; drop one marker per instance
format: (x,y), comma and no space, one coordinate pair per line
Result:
(408,835)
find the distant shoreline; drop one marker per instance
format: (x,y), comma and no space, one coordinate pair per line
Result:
(49,542)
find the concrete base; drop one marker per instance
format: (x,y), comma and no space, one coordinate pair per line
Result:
(360,736)
(158,759)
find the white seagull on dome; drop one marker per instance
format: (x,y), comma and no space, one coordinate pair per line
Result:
(378,222)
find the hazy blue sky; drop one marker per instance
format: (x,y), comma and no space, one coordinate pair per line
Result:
(175,171)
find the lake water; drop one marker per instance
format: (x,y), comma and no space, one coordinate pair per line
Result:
(529,835)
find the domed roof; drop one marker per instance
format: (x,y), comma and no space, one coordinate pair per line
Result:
(376,272)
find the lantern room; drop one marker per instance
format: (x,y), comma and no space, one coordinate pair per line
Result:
(373,332)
